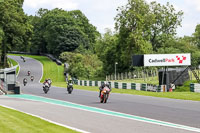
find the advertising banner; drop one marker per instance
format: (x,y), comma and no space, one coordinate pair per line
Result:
(167,59)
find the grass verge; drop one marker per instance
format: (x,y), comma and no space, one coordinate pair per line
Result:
(14,63)
(13,121)
(50,69)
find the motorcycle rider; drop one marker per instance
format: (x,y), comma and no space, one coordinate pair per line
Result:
(29,73)
(49,82)
(102,86)
(46,83)
(24,81)
(69,82)
(32,78)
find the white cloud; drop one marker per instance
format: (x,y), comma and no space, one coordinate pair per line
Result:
(101,13)
(194,3)
(50,4)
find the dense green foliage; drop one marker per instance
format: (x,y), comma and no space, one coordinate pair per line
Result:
(57,31)
(15,29)
(86,66)
(14,63)
(144,28)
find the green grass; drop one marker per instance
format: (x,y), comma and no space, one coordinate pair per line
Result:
(12,121)
(14,63)
(50,69)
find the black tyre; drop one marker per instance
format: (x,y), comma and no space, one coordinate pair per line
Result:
(101,100)
(46,89)
(70,90)
(106,98)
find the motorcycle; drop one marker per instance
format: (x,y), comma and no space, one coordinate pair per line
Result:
(104,94)
(29,73)
(70,88)
(46,88)
(32,78)
(25,82)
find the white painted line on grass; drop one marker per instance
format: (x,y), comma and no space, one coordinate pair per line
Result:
(42,70)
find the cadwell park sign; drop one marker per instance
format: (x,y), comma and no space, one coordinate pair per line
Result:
(167,59)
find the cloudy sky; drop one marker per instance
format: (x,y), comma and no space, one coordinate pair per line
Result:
(101,13)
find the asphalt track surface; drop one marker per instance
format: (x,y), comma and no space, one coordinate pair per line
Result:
(169,110)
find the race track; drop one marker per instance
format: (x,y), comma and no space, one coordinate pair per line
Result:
(167,110)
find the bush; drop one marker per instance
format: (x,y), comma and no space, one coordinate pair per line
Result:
(185,87)
(83,66)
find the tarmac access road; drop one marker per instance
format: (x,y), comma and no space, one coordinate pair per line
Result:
(162,110)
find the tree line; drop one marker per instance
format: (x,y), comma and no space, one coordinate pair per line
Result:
(140,28)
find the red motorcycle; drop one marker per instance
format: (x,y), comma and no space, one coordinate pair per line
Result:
(104,94)
(29,73)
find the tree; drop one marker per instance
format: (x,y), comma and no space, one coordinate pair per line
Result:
(164,23)
(133,24)
(196,36)
(144,28)
(15,30)
(106,50)
(57,31)
(88,29)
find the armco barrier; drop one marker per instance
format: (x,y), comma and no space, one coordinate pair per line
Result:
(96,83)
(116,85)
(85,83)
(124,85)
(192,87)
(90,83)
(195,87)
(133,86)
(143,87)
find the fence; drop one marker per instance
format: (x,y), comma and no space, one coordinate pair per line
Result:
(121,85)
(145,75)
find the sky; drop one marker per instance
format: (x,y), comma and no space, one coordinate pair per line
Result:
(101,13)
